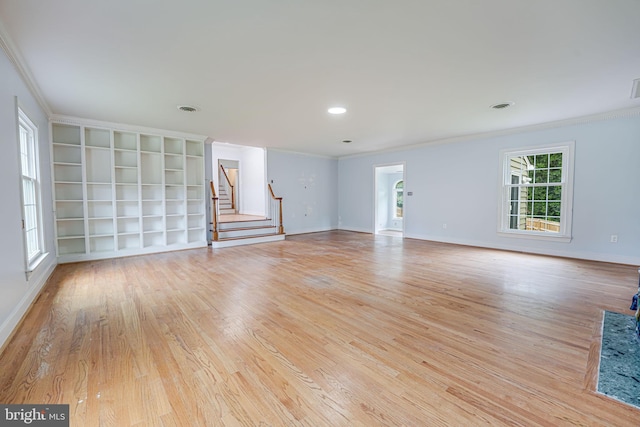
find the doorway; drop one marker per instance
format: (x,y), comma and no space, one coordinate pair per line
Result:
(250,182)
(229,188)
(389,209)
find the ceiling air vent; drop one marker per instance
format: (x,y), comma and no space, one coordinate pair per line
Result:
(187,108)
(502,105)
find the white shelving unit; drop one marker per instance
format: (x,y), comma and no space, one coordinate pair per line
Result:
(126,160)
(195,189)
(121,192)
(174,191)
(69,189)
(152,171)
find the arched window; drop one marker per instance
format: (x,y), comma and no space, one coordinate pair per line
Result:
(398,191)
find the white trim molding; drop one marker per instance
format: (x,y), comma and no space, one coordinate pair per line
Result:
(567,149)
(6,43)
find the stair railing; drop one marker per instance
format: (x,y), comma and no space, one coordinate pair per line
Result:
(229,188)
(214,213)
(276,205)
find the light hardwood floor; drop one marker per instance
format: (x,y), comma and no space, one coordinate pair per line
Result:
(325,329)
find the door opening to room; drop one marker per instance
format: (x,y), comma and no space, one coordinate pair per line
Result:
(228,188)
(389,210)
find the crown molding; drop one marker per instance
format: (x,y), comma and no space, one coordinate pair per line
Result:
(609,115)
(302,153)
(70,120)
(13,53)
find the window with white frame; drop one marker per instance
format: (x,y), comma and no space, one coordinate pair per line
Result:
(537,188)
(30,183)
(398,197)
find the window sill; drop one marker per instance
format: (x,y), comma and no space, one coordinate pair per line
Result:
(535,236)
(33,265)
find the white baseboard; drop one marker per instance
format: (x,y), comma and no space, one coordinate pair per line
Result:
(356,229)
(309,230)
(37,282)
(590,256)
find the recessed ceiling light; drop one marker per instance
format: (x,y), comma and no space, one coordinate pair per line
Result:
(502,105)
(187,108)
(337,110)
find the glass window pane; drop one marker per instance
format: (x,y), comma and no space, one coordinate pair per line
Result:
(539,208)
(24,151)
(555,175)
(542,161)
(554,209)
(535,194)
(31,202)
(541,176)
(540,193)
(518,165)
(555,192)
(515,193)
(399,195)
(555,160)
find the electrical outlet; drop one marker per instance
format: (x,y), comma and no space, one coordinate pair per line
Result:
(614,238)
(444,226)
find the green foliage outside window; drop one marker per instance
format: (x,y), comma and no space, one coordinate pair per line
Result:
(543,202)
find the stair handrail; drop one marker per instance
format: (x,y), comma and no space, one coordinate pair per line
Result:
(214,212)
(229,185)
(279,201)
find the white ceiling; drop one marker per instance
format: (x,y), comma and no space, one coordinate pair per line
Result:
(263,73)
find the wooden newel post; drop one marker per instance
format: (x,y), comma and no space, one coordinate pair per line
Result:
(214,213)
(280,226)
(279,200)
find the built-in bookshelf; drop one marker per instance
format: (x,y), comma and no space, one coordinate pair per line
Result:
(69,189)
(152,171)
(126,160)
(123,193)
(99,190)
(174,191)
(195,188)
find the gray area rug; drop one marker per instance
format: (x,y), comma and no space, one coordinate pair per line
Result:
(619,375)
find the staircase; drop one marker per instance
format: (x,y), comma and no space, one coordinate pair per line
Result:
(231,229)
(245,232)
(224,201)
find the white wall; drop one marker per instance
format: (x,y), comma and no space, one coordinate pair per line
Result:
(309,187)
(253,181)
(253,191)
(16,293)
(457,184)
